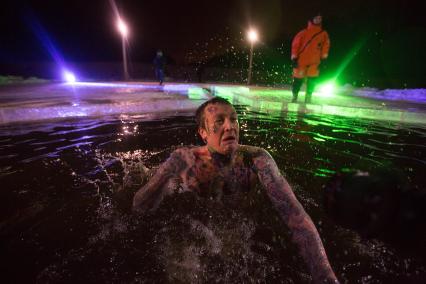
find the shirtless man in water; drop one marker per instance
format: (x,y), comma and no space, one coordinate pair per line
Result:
(224,167)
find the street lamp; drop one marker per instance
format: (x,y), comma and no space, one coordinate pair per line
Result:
(122,28)
(252,37)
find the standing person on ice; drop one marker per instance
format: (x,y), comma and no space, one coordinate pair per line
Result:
(159,65)
(309,47)
(224,169)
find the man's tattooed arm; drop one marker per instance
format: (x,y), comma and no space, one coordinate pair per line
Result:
(151,194)
(304,233)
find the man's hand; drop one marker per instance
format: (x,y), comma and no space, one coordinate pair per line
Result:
(323,63)
(294,62)
(161,184)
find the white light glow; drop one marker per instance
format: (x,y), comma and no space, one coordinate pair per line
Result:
(327,89)
(252,35)
(122,27)
(69,77)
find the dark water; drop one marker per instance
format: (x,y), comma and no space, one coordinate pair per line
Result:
(66,191)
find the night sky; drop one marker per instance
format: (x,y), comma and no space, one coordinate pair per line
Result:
(84,31)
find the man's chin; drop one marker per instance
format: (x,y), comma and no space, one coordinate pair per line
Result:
(229,148)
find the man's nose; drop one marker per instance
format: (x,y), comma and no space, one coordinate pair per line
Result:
(229,124)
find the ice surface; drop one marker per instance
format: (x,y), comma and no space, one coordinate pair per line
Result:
(52,100)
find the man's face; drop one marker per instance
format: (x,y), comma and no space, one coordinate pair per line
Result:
(221,131)
(317,20)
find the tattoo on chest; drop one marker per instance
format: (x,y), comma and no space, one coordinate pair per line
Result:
(208,180)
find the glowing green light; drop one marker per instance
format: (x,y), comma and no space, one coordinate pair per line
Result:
(267,106)
(230,93)
(319,139)
(321,172)
(246,101)
(293,107)
(197,93)
(350,56)
(271,101)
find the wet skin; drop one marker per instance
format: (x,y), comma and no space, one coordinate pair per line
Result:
(224,167)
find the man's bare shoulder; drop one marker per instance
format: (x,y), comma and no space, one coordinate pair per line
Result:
(190,150)
(259,157)
(189,153)
(253,151)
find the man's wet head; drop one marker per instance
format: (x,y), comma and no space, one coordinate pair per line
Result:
(218,125)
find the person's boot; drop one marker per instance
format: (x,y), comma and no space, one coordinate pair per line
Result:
(310,87)
(297,83)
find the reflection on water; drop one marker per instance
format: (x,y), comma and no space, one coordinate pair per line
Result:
(67,190)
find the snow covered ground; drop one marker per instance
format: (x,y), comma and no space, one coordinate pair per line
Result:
(409,95)
(34,100)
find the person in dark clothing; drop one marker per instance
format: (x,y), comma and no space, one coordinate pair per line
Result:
(159,65)
(200,71)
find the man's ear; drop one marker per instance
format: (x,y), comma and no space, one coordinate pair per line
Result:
(203,134)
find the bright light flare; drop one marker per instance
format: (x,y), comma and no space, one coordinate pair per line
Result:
(122,28)
(69,77)
(252,35)
(327,89)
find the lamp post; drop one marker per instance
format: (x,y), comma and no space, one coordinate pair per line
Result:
(122,27)
(252,37)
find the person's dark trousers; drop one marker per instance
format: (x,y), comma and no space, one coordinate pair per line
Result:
(297,84)
(159,73)
(310,87)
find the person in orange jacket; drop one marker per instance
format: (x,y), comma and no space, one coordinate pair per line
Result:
(309,47)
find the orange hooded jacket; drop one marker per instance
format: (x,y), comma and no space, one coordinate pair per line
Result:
(310,45)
